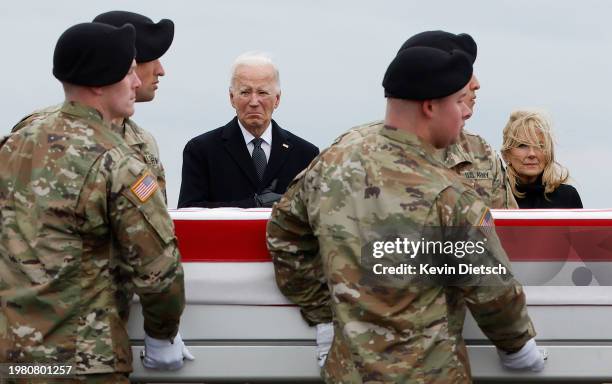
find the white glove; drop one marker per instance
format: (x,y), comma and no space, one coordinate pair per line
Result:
(530,357)
(164,355)
(325,337)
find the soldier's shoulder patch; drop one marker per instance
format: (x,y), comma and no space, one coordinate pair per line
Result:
(486,223)
(145,187)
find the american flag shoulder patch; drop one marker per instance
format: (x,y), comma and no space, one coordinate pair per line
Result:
(145,187)
(486,223)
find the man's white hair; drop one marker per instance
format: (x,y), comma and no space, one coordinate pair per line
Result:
(254,58)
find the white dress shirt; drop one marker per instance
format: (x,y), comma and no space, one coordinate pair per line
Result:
(266,145)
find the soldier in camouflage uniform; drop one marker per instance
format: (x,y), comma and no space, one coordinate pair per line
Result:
(471,156)
(84,224)
(377,178)
(152,42)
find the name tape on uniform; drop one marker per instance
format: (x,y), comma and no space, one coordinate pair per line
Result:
(476,175)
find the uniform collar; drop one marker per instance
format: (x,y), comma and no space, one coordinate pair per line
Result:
(410,139)
(77,109)
(130,133)
(456,153)
(93,118)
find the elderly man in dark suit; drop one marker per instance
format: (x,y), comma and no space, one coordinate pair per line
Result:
(250,161)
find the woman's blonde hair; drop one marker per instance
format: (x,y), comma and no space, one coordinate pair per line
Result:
(533,128)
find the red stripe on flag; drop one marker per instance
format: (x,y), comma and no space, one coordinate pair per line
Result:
(524,240)
(222,240)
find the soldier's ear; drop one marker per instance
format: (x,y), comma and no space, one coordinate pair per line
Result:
(427,107)
(97,90)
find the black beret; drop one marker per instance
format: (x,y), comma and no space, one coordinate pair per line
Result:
(152,40)
(423,73)
(93,54)
(443,40)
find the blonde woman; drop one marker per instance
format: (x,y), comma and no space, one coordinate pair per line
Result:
(536,179)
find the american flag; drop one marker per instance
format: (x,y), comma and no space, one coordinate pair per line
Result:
(486,223)
(145,187)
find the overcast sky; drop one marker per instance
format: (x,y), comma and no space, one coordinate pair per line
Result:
(332,55)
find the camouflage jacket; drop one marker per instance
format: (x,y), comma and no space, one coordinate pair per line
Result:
(474,159)
(136,137)
(84,226)
(480,167)
(145,145)
(373,180)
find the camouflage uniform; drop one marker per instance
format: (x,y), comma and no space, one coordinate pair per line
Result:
(144,143)
(482,170)
(81,232)
(370,180)
(474,159)
(136,137)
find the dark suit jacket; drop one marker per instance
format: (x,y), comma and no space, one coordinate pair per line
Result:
(218,170)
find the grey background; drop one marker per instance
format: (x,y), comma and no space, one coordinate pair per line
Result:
(332,55)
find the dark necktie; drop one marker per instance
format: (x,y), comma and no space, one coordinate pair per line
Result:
(259,157)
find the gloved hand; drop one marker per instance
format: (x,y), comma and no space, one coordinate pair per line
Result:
(165,355)
(267,198)
(325,337)
(530,357)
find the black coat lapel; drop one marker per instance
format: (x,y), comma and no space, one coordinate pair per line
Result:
(235,145)
(281,146)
